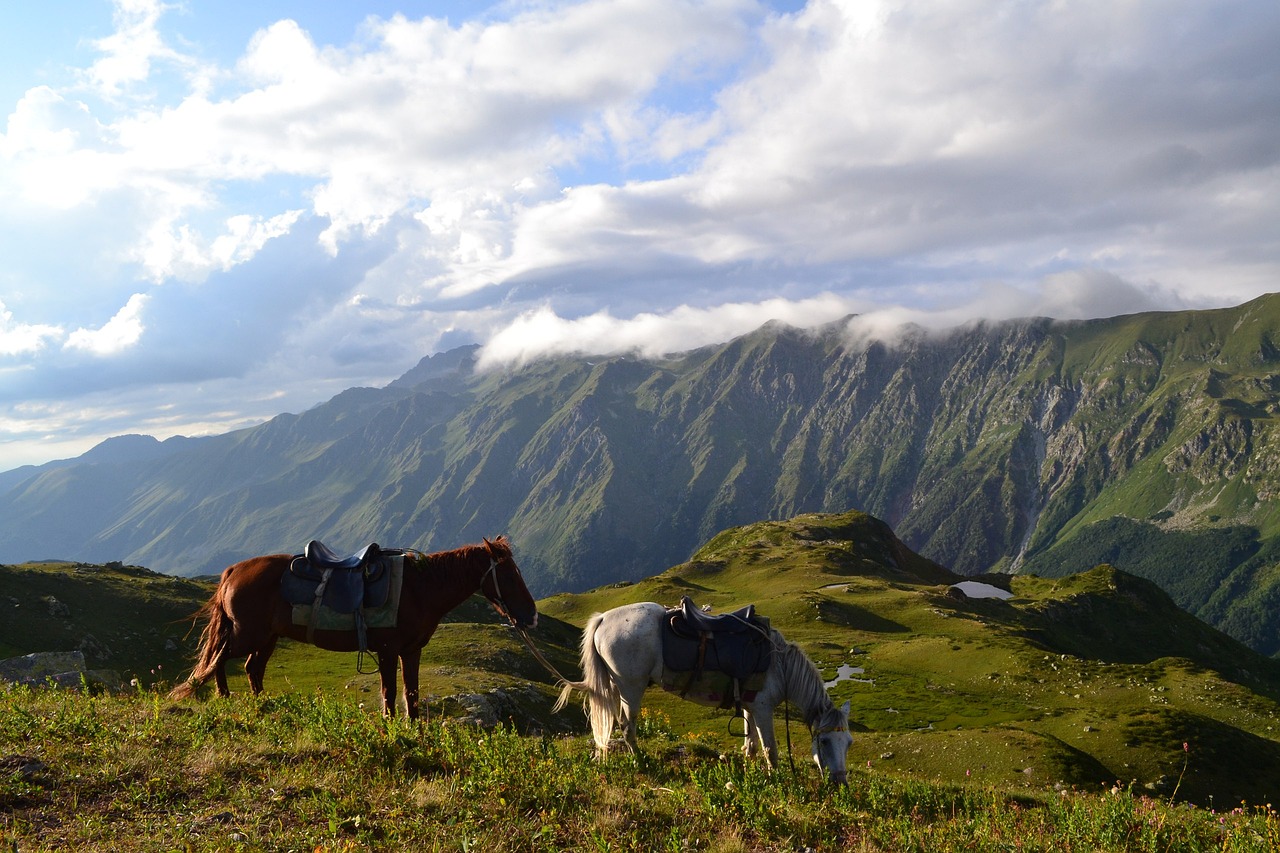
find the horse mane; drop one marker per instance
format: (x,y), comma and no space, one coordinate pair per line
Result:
(452,559)
(804,685)
(465,556)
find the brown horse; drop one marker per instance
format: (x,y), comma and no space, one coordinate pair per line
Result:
(247,616)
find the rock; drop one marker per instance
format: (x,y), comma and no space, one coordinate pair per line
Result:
(57,608)
(56,669)
(90,646)
(35,668)
(497,705)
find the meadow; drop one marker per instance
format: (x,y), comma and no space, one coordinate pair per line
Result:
(316,772)
(1083,713)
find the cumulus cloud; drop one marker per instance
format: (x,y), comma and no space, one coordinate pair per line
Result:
(177,251)
(129,52)
(508,178)
(23,338)
(121,332)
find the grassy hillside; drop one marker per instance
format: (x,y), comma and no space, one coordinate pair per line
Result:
(1072,684)
(302,771)
(124,618)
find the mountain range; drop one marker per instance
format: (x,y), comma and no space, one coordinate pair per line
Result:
(1036,446)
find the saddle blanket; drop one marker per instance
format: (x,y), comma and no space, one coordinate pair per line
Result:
(717,660)
(377,606)
(712,688)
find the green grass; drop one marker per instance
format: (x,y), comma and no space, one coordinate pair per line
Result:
(304,771)
(1066,684)
(136,621)
(1075,684)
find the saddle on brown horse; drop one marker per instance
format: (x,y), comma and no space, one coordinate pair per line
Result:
(720,659)
(321,579)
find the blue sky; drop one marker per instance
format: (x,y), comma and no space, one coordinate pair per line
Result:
(211,213)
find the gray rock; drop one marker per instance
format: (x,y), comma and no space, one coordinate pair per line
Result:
(37,667)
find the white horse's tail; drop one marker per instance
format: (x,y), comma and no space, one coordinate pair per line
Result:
(603,700)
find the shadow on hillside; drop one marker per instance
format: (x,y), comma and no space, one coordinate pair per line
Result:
(858,618)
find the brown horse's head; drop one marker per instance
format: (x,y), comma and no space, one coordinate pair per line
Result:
(504,586)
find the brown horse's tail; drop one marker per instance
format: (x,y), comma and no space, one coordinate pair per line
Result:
(602,700)
(213,647)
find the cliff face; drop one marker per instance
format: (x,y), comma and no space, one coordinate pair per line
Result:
(1013,446)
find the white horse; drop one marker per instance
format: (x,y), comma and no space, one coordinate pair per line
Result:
(622,656)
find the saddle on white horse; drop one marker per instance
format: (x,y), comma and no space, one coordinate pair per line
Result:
(719,660)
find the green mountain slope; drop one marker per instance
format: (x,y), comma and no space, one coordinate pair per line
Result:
(987,447)
(1083,681)
(1092,679)
(127,619)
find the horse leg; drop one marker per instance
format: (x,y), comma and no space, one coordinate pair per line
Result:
(255,666)
(631,696)
(761,726)
(409,662)
(387,672)
(749,741)
(220,678)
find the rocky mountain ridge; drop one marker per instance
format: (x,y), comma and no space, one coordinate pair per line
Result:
(995,446)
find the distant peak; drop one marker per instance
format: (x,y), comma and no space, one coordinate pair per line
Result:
(459,361)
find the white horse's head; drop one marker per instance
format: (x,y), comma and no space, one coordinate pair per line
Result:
(831,742)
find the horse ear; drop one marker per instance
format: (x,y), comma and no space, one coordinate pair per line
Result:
(844,709)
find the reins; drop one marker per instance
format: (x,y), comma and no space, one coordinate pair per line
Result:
(524,634)
(537,655)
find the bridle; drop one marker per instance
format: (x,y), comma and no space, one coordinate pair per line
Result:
(496,599)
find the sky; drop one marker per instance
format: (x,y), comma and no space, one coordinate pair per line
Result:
(215,212)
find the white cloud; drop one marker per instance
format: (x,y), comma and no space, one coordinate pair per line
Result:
(120,333)
(937,160)
(43,121)
(540,332)
(128,53)
(176,250)
(1075,295)
(23,338)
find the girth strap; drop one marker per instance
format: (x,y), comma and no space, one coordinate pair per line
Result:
(696,673)
(315,604)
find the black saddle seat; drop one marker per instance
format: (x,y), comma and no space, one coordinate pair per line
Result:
(689,620)
(716,657)
(321,556)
